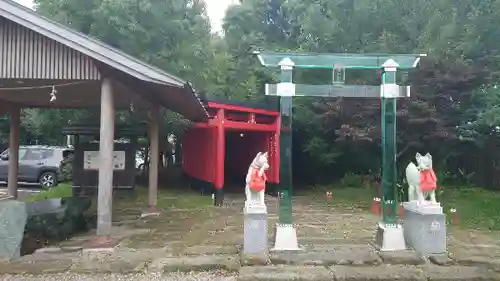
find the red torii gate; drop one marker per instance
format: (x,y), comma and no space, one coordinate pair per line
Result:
(233,135)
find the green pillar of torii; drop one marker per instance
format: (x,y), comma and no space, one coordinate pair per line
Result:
(389,236)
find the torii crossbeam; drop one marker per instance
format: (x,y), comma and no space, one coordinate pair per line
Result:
(390,236)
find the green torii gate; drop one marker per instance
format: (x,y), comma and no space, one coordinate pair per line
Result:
(389,236)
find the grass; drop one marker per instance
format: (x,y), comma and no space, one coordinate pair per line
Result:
(179,198)
(477,208)
(63,190)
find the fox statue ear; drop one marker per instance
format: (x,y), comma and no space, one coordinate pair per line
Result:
(265,154)
(428,155)
(418,155)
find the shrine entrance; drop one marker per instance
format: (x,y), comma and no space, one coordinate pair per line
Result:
(216,154)
(241,148)
(389,235)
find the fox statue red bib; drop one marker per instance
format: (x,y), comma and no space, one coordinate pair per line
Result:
(428,180)
(255,181)
(258,182)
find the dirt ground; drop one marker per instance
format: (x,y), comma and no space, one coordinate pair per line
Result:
(184,228)
(191,234)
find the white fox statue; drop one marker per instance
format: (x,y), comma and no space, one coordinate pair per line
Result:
(256,178)
(421,180)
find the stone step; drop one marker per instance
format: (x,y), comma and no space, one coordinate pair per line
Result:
(329,255)
(284,273)
(195,263)
(364,273)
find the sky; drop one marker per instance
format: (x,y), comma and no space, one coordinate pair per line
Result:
(216,10)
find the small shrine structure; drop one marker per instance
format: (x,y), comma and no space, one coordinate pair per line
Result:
(228,141)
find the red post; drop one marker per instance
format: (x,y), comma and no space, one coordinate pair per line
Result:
(220,145)
(251,118)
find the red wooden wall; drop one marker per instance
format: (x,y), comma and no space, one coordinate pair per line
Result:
(205,144)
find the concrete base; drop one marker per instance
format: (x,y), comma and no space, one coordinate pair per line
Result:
(150,211)
(285,238)
(427,207)
(255,230)
(218,197)
(100,244)
(390,238)
(146,214)
(425,227)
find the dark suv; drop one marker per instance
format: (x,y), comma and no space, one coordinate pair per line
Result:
(37,164)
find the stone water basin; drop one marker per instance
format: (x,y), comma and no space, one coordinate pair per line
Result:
(29,226)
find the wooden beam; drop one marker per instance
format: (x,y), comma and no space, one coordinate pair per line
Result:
(154,138)
(242,109)
(15,124)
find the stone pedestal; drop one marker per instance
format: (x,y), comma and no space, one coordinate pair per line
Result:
(13,221)
(255,229)
(425,227)
(390,238)
(285,238)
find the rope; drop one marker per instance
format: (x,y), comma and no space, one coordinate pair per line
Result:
(43,87)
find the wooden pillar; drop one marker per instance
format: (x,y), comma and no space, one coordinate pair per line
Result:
(154,150)
(220,140)
(106,151)
(15,123)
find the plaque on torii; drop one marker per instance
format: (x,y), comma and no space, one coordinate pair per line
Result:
(388,92)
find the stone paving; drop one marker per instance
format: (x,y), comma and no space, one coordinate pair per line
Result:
(336,242)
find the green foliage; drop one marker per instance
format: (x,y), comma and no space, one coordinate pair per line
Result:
(477,208)
(454,97)
(319,150)
(62,190)
(65,171)
(352,180)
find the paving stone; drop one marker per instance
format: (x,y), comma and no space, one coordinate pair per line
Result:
(442,259)
(493,263)
(195,263)
(284,273)
(456,273)
(338,254)
(71,248)
(210,249)
(379,273)
(254,259)
(111,262)
(401,257)
(49,250)
(41,263)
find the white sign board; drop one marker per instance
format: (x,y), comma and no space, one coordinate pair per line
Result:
(91,160)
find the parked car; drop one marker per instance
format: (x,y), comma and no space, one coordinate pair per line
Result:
(139,161)
(37,164)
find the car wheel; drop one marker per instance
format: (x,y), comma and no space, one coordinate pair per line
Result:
(48,179)
(141,168)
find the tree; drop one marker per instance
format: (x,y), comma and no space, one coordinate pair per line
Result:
(173,35)
(329,131)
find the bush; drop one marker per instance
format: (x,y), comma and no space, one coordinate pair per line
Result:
(59,191)
(65,171)
(353,180)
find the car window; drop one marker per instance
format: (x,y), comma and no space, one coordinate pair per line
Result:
(37,154)
(67,153)
(22,152)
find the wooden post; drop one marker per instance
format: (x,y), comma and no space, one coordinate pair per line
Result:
(15,123)
(220,148)
(154,150)
(106,151)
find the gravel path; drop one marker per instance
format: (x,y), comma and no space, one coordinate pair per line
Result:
(203,276)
